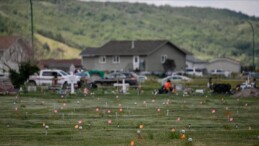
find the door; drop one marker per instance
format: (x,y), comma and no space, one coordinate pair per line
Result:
(46,78)
(135,62)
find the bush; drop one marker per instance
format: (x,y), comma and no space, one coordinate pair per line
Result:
(25,70)
(221,88)
(46,47)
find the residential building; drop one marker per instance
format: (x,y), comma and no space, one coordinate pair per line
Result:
(193,62)
(226,64)
(143,55)
(13,51)
(63,64)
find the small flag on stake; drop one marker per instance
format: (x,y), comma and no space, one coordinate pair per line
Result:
(97,109)
(132,143)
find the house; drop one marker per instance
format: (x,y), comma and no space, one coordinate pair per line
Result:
(63,64)
(143,55)
(13,51)
(227,64)
(193,62)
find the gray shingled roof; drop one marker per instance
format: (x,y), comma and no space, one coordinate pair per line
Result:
(88,52)
(138,47)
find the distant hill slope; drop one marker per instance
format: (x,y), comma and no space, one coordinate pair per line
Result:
(206,32)
(55,49)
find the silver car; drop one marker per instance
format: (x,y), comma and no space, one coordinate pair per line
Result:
(175,79)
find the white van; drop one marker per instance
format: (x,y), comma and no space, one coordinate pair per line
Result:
(194,72)
(220,72)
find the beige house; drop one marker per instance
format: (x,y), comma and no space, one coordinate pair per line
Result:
(226,64)
(143,55)
(13,51)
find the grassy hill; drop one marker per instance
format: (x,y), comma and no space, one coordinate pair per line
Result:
(206,32)
(60,50)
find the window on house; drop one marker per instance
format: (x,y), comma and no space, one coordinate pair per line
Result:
(102,59)
(163,58)
(116,59)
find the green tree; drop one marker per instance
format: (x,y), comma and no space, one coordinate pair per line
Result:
(25,70)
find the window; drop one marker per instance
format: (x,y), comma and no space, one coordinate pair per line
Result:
(47,73)
(136,59)
(116,59)
(189,70)
(163,58)
(102,59)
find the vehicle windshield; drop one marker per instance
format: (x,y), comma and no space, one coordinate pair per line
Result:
(189,70)
(63,73)
(128,75)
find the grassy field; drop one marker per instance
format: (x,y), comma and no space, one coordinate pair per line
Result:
(210,120)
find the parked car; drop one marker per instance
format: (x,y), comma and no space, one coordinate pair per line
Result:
(46,77)
(118,77)
(145,73)
(254,75)
(220,72)
(84,75)
(194,72)
(174,79)
(140,78)
(4,76)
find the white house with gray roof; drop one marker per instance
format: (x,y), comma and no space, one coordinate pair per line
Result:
(227,64)
(144,55)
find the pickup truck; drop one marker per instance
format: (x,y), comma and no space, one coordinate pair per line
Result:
(47,77)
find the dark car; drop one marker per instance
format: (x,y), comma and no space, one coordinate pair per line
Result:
(117,77)
(129,77)
(254,75)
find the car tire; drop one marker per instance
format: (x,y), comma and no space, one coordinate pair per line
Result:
(64,86)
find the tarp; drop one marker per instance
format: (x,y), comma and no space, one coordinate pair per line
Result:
(96,72)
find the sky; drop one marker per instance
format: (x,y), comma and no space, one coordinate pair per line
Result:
(249,7)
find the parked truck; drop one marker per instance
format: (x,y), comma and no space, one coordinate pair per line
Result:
(52,77)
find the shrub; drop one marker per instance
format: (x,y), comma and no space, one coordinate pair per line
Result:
(25,70)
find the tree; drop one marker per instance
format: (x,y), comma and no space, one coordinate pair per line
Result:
(25,70)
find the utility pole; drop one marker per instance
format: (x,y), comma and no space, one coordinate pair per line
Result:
(253,45)
(32,44)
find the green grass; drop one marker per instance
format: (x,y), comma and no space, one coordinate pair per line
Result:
(24,126)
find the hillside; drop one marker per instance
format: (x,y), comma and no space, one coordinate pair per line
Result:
(206,32)
(54,48)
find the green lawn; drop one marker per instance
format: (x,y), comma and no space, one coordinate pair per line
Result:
(22,118)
